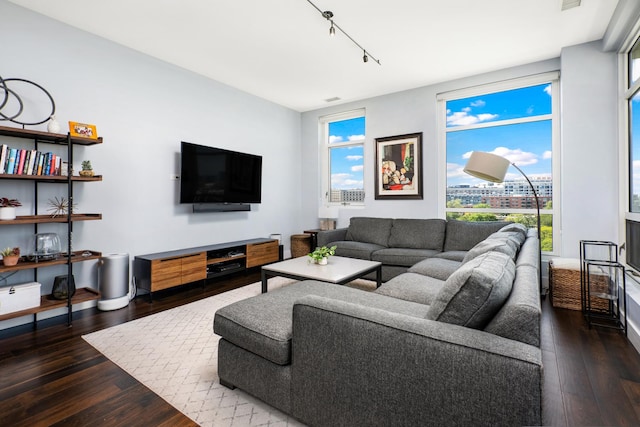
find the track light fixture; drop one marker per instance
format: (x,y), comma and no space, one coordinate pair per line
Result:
(328,15)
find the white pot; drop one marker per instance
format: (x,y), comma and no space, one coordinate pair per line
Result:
(323,261)
(8,213)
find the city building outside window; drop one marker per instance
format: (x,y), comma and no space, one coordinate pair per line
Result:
(342,140)
(515,119)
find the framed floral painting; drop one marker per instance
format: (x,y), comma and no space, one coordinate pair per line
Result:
(398,169)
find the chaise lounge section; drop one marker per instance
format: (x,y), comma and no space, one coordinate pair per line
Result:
(419,350)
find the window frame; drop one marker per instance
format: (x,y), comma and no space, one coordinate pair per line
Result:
(552,78)
(325,159)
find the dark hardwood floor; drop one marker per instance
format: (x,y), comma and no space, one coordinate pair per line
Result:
(51,376)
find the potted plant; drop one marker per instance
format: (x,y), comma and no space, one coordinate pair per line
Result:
(87,169)
(10,256)
(321,254)
(8,208)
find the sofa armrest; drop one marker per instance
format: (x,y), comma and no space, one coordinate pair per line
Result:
(327,236)
(357,365)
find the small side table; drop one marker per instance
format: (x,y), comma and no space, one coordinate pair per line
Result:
(314,237)
(603,277)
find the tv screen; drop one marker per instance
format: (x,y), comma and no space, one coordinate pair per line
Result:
(215,175)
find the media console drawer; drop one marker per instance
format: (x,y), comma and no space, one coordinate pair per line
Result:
(262,253)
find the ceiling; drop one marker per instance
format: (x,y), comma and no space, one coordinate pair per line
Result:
(280,50)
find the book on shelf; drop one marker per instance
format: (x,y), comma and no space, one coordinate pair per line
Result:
(17,161)
(3,157)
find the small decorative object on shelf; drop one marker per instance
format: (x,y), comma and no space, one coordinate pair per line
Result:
(83,130)
(321,254)
(59,206)
(10,256)
(87,169)
(62,288)
(8,208)
(53,126)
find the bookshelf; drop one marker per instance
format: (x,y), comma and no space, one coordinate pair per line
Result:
(69,256)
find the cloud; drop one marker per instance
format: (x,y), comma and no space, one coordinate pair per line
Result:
(354,158)
(455,170)
(547,155)
(462,118)
(357,168)
(355,137)
(345,181)
(333,138)
(547,90)
(478,103)
(517,156)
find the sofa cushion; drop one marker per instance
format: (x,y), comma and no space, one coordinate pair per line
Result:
(401,256)
(464,235)
(515,227)
(513,236)
(263,324)
(370,230)
(452,255)
(475,292)
(412,287)
(438,268)
(519,317)
(358,250)
(418,233)
(499,244)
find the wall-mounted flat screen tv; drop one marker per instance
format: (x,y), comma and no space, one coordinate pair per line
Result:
(215,175)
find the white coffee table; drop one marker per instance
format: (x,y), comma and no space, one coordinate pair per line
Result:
(339,270)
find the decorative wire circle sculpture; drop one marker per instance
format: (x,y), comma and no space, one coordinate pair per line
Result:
(7,91)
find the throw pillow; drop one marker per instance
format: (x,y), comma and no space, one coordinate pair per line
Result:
(475,292)
(491,244)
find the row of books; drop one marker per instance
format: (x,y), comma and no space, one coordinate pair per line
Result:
(17,161)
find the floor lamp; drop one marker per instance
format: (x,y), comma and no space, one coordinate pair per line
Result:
(493,168)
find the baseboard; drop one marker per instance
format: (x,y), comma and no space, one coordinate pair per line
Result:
(633,335)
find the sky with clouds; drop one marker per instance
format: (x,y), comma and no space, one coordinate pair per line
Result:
(528,144)
(347,163)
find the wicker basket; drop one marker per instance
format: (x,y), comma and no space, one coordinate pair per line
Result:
(300,245)
(564,277)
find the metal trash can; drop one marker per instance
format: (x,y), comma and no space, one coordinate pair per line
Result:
(113,281)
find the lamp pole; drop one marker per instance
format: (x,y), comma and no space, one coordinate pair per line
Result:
(535,194)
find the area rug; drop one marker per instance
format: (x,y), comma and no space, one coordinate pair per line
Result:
(175,354)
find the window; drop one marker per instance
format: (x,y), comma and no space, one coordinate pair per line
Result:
(343,157)
(632,94)
(516,120)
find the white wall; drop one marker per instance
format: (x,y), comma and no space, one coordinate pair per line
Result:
(589,98)
(589,151)
(143,108)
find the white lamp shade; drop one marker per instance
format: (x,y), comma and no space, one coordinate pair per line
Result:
(330,212)
(487,166)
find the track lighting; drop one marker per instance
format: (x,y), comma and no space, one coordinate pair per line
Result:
(328,15)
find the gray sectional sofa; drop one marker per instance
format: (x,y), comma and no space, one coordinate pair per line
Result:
(447,342)
(400,243)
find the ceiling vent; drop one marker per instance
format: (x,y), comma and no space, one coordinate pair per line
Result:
(569,4)
(335,98)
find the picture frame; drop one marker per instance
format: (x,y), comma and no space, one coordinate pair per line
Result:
(83,130)
(398,168)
